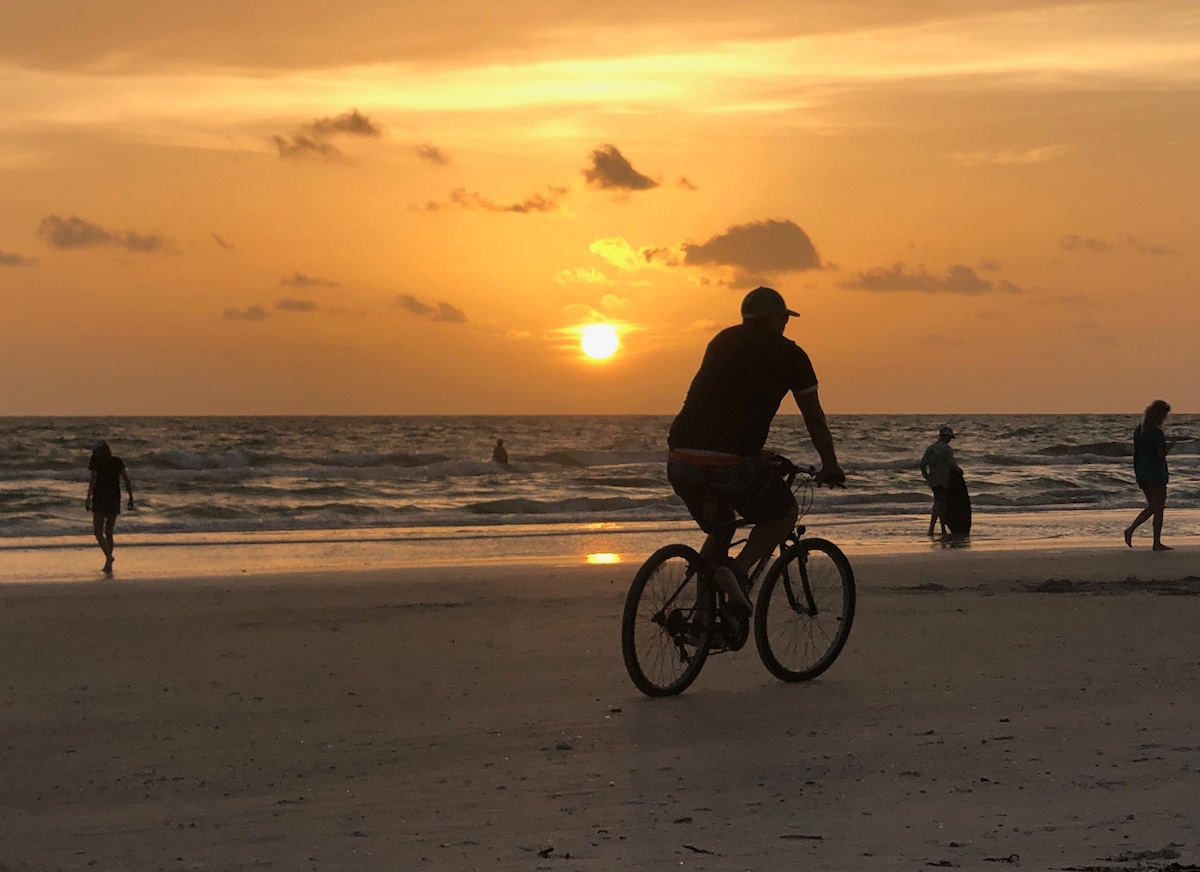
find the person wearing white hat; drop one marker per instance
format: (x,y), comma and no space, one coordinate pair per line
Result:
(716,461)
(937,465)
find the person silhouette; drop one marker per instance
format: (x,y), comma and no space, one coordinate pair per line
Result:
(937,466)
(1150,450)
(499,453)
(715,459)
(104,496)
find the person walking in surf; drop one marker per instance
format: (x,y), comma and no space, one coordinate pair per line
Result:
(1150,450)
(104,496)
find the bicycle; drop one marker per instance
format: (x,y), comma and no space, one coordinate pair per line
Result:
(675,616)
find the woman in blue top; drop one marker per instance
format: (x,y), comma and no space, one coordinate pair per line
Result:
(1150,449)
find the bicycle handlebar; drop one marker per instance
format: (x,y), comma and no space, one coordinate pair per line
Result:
(790,471)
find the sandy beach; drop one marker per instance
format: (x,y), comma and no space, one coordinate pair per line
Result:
(1003,709)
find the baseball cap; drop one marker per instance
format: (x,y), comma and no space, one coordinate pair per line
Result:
(765,301)
(946,430)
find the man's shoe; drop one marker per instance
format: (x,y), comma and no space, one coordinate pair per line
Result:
(727,581)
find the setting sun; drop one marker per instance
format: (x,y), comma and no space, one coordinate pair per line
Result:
(599,341)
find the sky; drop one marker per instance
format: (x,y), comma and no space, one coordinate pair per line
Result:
(381,208)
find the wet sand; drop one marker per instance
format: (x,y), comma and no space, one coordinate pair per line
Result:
(993,710)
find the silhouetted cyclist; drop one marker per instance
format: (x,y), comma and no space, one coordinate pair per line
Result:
(716,461)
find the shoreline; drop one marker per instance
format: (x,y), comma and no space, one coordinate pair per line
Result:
(139,559)
(147,556)
(953,564)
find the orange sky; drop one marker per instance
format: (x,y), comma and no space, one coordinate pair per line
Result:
(372,207)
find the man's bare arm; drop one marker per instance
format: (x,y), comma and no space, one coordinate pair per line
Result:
(818,430)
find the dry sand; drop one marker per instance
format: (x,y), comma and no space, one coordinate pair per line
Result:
(481,719)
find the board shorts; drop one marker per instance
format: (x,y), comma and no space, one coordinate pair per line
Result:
(751,487)
(941,494)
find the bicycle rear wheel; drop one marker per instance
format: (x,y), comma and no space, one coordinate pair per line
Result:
(804,611)
(666,628)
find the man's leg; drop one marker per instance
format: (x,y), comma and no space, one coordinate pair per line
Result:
(765,538)
(937,514)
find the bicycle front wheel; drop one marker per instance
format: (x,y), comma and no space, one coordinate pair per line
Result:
(666,628)
(804,611)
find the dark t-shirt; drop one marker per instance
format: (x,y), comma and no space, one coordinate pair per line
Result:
(744,376)
(108,480)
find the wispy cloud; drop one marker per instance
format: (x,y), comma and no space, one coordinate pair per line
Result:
(289,304)
(316,138)
(463,199)
(66,234)
(432,154)
(1000,158)
(1099,246)
(618,252)
(300,280)
(10,258)
(611,171)
(1040,47)
(252,313)
(1083,243)
(444,312)
(958,279)
(582,275)
(223,244)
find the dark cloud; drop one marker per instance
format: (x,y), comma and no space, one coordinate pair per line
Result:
(300,280)
(352,123)
(685,184)
(464,199)
(959,279)
(756,251)
(288,304)
(449,314)
(433,154)
(299,145)
(10,258)
(443,312)
(611,171)
(315,139)
(227,246)
(74,232)
(412,304)
(253,313)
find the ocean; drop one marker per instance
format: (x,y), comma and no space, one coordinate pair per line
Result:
(215,480)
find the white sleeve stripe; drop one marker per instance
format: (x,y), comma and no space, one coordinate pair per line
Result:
(811,390)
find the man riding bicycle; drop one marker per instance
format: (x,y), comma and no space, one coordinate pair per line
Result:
(716,461)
